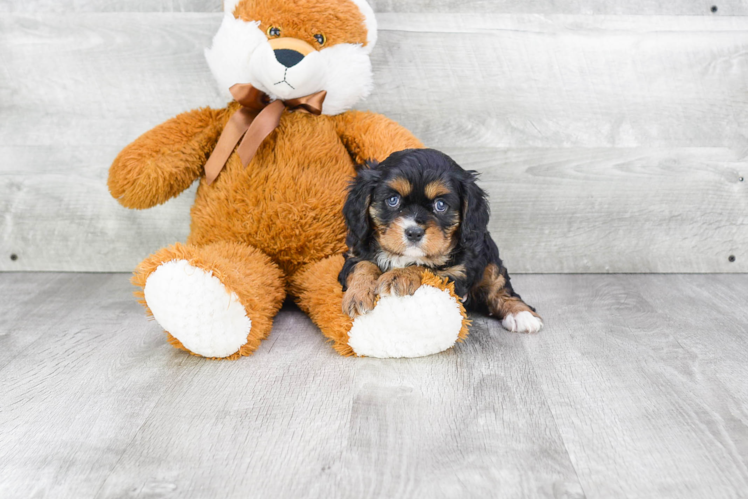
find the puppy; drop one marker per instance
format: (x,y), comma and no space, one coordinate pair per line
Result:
(419,210)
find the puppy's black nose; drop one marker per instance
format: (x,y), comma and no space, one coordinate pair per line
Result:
(414,234)
(288,58)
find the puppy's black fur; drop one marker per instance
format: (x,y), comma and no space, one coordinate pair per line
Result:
(457,243)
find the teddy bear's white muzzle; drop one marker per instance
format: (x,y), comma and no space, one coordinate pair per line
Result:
(284,74)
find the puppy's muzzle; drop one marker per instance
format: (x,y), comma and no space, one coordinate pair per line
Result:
(290,51)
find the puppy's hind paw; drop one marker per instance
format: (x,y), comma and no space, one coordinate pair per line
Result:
(522,322)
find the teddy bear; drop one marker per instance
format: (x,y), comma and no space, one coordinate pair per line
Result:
(273,169)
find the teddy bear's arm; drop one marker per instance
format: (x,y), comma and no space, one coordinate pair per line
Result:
(166,160)
(370,136)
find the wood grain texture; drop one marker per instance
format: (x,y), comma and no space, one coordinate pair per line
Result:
(634,389)
(553,210)
(633,7)
(624,137)
(633,370)
(615,210)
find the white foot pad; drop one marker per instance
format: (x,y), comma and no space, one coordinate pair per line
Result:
(523,322)
(195,307)
(425,323)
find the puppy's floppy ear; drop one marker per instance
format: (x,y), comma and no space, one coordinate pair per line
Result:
(356,208)
(475,215)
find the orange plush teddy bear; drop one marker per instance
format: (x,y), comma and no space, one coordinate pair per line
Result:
(274,166)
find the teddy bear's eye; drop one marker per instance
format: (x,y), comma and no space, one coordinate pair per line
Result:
(274,32)
(321,39)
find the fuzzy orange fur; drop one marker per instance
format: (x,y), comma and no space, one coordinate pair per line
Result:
(287,204)
(320,295)
(166,160)
(342,24)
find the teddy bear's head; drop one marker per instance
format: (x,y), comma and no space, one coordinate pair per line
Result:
(290,49)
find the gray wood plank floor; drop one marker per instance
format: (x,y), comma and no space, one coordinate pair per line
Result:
(636,388)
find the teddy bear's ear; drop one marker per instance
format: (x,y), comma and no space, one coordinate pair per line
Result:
(230,5)
(370,20)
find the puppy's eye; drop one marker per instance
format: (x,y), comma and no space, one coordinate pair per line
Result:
(393,201)
(321,39)
(440,206)
(274,32)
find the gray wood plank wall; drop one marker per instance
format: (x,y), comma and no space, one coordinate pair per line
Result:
(615,142)
(631,7)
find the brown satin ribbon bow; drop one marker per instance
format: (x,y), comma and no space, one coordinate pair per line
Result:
(254,121)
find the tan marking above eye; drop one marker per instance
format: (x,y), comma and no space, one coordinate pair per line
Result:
(436,188)
(401,185)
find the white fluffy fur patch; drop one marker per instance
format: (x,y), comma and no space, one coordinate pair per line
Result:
(424,323)
(241,53)
(523,322)
(348,77)
(229,56)
(194,306)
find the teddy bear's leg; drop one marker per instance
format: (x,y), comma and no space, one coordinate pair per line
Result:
(427,322)
(319,294)
(216,301)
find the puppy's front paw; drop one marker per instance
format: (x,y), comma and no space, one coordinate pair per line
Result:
(399,282)
(359,299)
(522,322)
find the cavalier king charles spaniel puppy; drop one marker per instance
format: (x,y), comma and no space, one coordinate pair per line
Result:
(419,210)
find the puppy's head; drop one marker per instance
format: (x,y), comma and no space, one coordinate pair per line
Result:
(290,49)
(416,207)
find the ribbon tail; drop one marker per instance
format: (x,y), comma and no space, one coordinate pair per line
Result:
(230,137)
(267,121)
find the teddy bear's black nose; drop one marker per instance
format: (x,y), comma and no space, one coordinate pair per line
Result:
(288,58)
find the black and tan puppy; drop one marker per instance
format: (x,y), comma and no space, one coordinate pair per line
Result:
(419,209)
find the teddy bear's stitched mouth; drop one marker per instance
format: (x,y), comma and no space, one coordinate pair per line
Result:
(285,73)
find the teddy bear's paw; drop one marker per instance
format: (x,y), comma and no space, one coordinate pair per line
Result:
(195,307)
(522,322)
(427,322)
